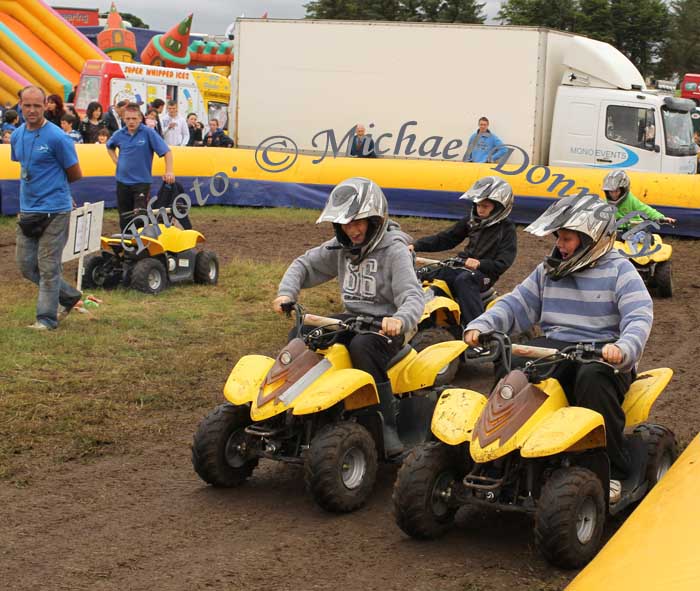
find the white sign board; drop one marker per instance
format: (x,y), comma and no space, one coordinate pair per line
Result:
(85,231)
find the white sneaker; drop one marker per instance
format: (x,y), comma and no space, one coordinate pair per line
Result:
(39,326)
(615,491)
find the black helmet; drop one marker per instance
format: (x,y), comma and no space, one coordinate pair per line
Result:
(616,179)
(590,217)
(357,198)
(496,190)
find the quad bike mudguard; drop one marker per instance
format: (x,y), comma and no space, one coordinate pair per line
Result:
(568,429)
(419,370)
(445,309)
(643,393)
(514,411)
(455,415)
(245,379)
(171,239)
(663,254)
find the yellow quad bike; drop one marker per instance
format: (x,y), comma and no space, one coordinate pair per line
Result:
(170,255)
(440,321)
(310,407)
(525,449)
(654,266)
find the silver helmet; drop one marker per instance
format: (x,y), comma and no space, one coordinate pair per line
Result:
(616,179)
(357,198)
(589,216)
(495,189)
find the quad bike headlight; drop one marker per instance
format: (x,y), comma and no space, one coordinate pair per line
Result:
(506,392)
(286,358)
(172,264)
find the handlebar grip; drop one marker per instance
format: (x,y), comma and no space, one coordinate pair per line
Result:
(422,261)
(321,321)
(532,352)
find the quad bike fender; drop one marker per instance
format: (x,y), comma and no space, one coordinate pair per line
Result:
(568,429)
(663,254)
(455,415)
(171,239)
(439,284)
(492,303)
(420,371)
(353,386)
(643,393)
(508,436)
(245,379)
(446,311)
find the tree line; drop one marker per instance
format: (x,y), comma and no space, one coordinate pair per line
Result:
(659,38)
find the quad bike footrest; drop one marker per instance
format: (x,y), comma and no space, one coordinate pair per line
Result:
(482,483)
(263,431)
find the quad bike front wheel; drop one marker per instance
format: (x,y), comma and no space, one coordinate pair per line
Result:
(206,267)
(431,336)
(149,276)
(662,450)
(341,467)
(663,279)
(99,271)
(220,453)
(421,491)
(570,517)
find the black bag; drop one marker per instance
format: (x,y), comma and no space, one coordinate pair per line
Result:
(166,196)
(33,225)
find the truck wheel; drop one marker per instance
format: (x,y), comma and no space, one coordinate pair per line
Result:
(421,508)
(341,467)
(206,267)
(220,453)
(97,272)
(662,450)
(663,279)
(431,336)
(570,517)
(149,276)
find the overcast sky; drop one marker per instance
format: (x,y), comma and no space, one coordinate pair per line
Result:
(218,14)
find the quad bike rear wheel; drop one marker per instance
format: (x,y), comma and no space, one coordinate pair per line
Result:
(663,279)
(341,467)
(206,267)
(570,517)
(149,276)
(220,452)
(662,450)
(431,336)
(98,271)
(421,506)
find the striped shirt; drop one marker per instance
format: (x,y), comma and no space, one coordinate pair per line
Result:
(606,302)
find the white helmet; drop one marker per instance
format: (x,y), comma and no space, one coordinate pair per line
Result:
(495,189)
(589,216)
(357,198)
(616,179)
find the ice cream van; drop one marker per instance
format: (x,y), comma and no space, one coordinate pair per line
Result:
(196,91)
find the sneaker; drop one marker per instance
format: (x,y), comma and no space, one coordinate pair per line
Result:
(39,326)
(63,311)
(615,491)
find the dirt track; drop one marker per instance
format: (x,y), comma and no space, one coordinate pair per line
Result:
(143,520)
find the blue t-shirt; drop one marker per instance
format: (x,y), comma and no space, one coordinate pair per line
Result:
(136,153)
(44,154)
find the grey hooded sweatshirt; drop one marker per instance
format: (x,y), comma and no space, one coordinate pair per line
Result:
(383,284)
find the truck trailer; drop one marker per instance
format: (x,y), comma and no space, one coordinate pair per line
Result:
(556,98)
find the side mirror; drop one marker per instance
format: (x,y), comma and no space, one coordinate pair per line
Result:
(657,148)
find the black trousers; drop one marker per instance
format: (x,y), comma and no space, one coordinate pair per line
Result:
(368,352)
(598,387)
(129,198)
(466,287)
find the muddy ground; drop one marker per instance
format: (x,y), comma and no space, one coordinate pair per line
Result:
(143,520)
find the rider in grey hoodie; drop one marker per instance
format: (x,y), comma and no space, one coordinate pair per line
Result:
(370,257)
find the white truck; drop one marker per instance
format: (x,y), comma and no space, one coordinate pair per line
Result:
(419,89)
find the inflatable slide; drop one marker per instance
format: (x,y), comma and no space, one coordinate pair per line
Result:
(37,46)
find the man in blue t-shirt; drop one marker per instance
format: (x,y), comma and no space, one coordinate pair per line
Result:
(483,144)
(48,164)
(136,143)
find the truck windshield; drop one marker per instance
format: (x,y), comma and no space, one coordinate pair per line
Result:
(678,130)
(88,91)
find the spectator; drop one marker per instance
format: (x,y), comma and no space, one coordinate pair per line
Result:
(195,128)
(483,145)
(18,107)
(113,117)
(151,119)
(10,120)
(92,122)
(71,95)
(6,135)
(362,145)
(136,143)
(103,135)
(159,105)
(67,123)
(175,130)
(48,163)
(216,137)
(54,109)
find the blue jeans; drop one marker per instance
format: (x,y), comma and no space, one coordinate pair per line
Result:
(39,260)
